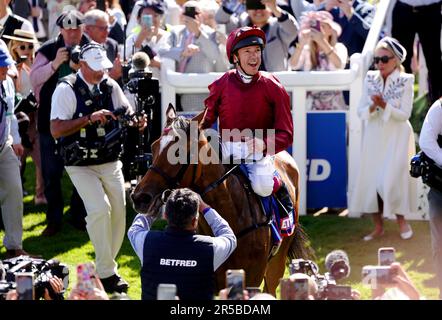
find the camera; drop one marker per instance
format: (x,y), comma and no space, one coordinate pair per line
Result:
(74,53)
(423,166)
(42,271)
(338,267)
(254,5)
(190,12)
(27,105)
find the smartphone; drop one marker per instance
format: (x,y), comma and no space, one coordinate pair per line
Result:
(235,282)
(338,292)
(166,291)
(147,20)
(377,275)
(315,24)
(252,291)
(254,5)
(25,285)
(86,276)
(301,289)
(101,5)
(386,256)
(190,12)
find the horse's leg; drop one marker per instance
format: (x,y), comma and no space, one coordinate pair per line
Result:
(276,267)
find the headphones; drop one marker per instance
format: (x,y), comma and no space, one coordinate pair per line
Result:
(90,46)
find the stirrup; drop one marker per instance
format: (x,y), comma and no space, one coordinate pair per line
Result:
(275,249)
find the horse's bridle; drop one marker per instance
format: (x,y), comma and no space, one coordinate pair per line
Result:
(175,183)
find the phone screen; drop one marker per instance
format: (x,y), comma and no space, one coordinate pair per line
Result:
(386,256)
(166,291)
(25,285)
(235,282)
(85,276)
(147,20)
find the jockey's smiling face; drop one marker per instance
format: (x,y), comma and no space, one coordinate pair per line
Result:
(249,59)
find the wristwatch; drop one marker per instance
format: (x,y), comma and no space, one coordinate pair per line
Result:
(89,119)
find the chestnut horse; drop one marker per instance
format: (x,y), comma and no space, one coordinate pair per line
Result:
(238,206)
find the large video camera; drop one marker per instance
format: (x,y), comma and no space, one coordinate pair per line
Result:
(43,270)
(138,81)
(328,289)
(423,166)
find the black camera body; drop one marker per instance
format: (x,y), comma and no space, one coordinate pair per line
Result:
(327,287)
(423,166)
(74,53)
(27,105)
(43,271)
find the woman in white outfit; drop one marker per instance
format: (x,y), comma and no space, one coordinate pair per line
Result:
(384,186)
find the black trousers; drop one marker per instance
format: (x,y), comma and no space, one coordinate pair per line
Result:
(426,22)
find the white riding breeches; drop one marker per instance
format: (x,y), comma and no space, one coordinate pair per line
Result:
(260,172)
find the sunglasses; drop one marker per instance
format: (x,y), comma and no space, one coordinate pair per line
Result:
(29,47)
(383,59)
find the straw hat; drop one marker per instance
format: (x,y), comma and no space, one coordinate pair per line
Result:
(22,35)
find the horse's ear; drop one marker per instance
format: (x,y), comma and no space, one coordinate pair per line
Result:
(199,117)
(170,114)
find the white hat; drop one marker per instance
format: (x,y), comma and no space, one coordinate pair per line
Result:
(94,55)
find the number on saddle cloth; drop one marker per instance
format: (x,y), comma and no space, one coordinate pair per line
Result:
(280,224)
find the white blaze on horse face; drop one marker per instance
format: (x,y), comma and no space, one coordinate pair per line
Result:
(165,140)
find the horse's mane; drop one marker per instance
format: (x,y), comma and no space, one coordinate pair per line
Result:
(180,123)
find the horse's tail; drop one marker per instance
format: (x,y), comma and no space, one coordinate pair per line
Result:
(300,247)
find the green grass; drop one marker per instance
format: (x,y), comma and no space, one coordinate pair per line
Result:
(326,233)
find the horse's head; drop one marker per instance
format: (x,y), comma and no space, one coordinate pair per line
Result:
(171,158)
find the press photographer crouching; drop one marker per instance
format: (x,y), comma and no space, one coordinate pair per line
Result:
(26,278)
(430,168)
(84,120)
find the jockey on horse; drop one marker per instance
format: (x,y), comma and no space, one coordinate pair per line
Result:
(246,98)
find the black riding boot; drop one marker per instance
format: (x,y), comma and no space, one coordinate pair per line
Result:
(284,197)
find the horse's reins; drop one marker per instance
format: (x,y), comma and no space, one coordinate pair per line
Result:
(175,182)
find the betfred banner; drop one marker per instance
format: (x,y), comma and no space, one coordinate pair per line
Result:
(326,160)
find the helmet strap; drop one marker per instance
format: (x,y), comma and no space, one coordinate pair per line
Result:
(247,78)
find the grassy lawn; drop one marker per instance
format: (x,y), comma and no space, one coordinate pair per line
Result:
(326,232)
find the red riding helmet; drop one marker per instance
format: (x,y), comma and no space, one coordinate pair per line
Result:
(244,37)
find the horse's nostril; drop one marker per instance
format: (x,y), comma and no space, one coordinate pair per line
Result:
(143,198)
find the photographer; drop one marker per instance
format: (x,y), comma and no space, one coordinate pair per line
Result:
(83,118)
(428,142)
(178,255)
(53,61)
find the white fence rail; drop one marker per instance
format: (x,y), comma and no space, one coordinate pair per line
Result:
(298,83)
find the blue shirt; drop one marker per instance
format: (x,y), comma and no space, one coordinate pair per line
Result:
(224,241)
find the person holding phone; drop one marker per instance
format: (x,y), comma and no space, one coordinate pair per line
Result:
(178,255)
(279,26)
(383,186)
(318,49)
(194,49)
(97,29)
(149,36)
